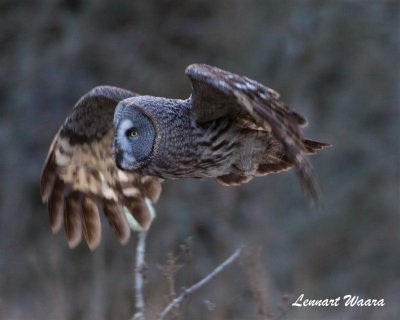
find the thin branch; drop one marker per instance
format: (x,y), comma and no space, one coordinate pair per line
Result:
(140,266)
(185,293)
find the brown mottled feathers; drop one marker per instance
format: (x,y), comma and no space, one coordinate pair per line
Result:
(217,93)
(80,178)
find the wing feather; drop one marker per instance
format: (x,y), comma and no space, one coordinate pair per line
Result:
(117,220)
(56,206)
(80,177)
(49,173)
(91,222)
(73,218)
(217,93)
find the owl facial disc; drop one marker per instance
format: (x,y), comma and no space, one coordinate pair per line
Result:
(134,137)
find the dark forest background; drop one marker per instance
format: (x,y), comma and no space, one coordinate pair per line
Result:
(336,62)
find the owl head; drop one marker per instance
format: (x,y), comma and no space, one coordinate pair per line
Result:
(135,134)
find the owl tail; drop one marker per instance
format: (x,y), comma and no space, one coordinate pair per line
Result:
(282,163)
(313,146)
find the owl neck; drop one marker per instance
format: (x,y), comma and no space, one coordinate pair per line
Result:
(185,147)
(174,141)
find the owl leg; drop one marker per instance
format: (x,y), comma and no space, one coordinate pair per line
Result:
(233,179)
(242,171)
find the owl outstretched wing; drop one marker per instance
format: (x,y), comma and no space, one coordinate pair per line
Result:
(80,178)
(217,93)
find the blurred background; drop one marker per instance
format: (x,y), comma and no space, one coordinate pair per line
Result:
(336,62)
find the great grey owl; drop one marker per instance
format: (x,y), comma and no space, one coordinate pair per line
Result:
(116,147)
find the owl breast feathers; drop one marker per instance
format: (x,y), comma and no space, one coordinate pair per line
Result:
(114,149)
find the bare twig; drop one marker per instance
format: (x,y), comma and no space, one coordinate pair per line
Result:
(185,293)
(169,270)
(254,272)
(140,266)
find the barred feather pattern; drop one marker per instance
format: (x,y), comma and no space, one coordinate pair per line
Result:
(81,179)
(231,128)
(253,106)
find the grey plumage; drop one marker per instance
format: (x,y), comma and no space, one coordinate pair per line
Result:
(231,128)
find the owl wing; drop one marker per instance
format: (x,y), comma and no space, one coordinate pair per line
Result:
(217,93)
(80,177)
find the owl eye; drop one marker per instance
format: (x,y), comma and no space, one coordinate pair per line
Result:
(131,133)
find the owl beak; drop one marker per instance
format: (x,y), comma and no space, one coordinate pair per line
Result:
(117,150)
(118,156)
